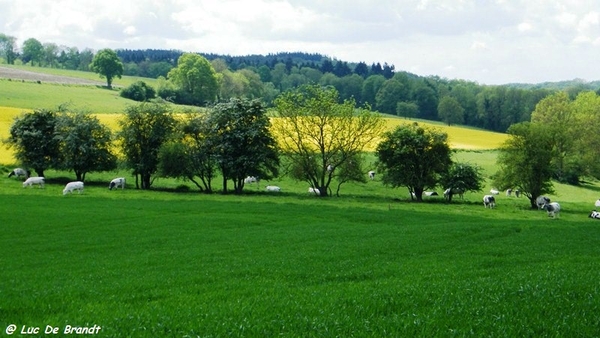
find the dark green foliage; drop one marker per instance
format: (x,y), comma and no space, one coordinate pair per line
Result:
(144,129)
(107,64)
(85,145)
(191,156)
(33,138)
(462,177)
(414,157)
(241,142)
(450,111)
(138,91)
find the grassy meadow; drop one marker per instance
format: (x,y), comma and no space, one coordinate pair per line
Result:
(172,262)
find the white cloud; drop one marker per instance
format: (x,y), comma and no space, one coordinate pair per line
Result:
(486,41)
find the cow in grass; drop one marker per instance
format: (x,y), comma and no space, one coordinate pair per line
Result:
(553,209)
(489,201)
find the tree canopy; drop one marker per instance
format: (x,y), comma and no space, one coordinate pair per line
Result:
(195,78)
(107,64)
(415,157)
(319,136)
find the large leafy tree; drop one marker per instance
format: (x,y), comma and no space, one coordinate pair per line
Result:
(556,114)
(587,143)
(33,51)
(196,79)
(8,46)
(415,157)
(107,64)
(242,143)
(191,156)
(32,136)
(144,129)
(525,160)
(319,136)
(85,144)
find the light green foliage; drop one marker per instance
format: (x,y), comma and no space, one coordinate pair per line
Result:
(524,161)
(450,111)
(414,157)
(8,46)
(107,64)
(586,108)
(196,78)
(318,135)
(33,51)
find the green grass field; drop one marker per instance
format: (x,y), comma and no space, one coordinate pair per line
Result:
(172,262)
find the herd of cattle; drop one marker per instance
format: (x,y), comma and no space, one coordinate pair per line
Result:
(489,201)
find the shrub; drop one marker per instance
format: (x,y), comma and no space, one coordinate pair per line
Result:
(139,91)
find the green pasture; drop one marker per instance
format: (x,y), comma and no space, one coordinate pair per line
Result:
(167,264)
(172,262)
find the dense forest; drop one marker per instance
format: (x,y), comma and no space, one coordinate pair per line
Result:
(380,86)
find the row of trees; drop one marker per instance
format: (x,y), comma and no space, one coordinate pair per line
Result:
(318,140)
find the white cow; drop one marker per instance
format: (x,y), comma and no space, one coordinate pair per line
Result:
(552,208)
(597,204)
(315,191)
(116,183)
(18,172)
(489,201)
(595,214)
(494,192)
(454,191)
(541,200)
(508,192)
(273,188)
(34,180)
(372,175)
(71,186)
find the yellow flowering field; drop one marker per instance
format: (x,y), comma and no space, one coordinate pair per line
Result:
(460,137)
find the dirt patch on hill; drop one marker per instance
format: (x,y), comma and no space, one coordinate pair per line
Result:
(18,74)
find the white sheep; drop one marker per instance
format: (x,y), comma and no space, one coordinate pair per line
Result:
(77,185)
(273,188)
(315,191)
(34,180)
(18,172)
(116,183)
(250,179)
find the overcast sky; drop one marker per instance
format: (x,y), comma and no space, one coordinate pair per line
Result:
(487,41)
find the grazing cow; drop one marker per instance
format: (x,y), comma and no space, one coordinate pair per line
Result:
(330,168)
(273,188)
(541,200)
(315,191)
(517,193)
(489,201)
(597,204)
(453,191)
(372,175)
(595,214)
(552,208)
(494,192)
(71,186)
(18,172)
(34,180)
(116,183)
(508,192)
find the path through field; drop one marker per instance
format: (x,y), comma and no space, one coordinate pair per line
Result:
(18,74)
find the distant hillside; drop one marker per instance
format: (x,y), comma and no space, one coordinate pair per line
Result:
(568,85)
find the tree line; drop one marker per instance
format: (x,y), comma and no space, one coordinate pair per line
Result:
(264,77)
(313,138)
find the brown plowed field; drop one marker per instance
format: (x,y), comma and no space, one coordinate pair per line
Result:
(18,74)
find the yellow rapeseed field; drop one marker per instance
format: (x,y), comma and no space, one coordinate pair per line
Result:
(459,137)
